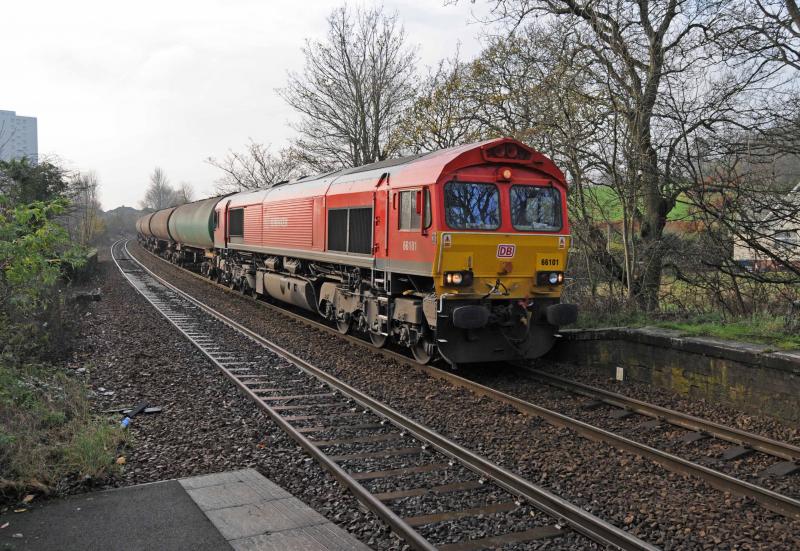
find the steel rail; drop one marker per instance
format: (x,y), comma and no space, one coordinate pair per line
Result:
(754,441)
(769,499)
(580,520)
(773,501)
(362,494)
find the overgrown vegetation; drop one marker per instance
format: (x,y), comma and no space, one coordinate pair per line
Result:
(47,433)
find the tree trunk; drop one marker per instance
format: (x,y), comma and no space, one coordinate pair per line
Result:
(652,231)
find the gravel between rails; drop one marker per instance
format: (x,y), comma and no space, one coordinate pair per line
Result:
(665,509)
(699,407)
(705,452)
(206,425)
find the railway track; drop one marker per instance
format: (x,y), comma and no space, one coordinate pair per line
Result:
(744,442)
(412,477)
(774,501)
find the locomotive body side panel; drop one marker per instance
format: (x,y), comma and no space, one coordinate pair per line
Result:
(289,223)
(318,224)
(411,249)
(253,225)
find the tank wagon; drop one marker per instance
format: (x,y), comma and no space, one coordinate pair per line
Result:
(143,226)
(159,225)
(458,253)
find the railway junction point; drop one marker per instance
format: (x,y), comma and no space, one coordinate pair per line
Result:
(238,510)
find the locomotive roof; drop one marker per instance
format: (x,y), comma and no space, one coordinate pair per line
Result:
(446,154)
(427,167)
(387,163)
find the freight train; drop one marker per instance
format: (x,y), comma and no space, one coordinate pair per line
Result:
(458,253)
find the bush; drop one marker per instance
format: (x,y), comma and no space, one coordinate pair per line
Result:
(33,250)
(47,433)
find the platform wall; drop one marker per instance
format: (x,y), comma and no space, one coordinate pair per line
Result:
(749,377)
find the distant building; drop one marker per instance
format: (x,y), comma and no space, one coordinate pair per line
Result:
(781,237)
(19,137)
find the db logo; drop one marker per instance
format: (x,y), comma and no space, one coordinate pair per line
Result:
(506,251)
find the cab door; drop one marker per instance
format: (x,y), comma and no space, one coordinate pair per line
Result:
(382,214)
(221,224)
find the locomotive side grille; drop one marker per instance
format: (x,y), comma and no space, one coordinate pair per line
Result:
(350,230)
(337,230)
(360,231)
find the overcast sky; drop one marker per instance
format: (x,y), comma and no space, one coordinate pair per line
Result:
(122,87)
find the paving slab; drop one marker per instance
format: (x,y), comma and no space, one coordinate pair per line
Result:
(239,510)
(160,515)
(254,514)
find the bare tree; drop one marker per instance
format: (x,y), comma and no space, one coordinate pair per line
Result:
(159,194)
(748,203)
(254,168)
(85,223)
(767,29)
(184,193)
(443,113)
(670,82)
(354,89)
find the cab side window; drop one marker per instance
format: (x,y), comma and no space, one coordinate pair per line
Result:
(409,217)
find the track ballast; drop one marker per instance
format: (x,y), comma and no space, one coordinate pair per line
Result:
(379,454)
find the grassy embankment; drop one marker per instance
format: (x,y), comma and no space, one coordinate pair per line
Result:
(761,329)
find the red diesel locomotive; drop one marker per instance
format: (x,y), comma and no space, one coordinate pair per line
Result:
(460,252)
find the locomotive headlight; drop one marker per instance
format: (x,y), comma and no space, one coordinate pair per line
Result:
(549,278)
(458,279)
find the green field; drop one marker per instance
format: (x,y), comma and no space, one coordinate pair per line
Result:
(603,204)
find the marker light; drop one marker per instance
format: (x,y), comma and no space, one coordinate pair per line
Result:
(504,174)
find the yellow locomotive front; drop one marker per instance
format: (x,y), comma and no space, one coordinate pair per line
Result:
(499,267)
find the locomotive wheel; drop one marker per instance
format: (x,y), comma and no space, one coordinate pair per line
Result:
(378,340)
(420,351)
(343,326)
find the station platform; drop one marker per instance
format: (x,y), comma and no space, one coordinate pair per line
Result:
(238,510)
